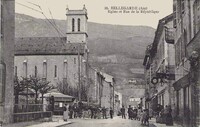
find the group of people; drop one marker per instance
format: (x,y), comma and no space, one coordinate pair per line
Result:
(163,116)
(77,110)
(136,114)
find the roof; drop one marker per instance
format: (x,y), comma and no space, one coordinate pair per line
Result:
(108,78)
(59,97)
(46,46)
(57,94)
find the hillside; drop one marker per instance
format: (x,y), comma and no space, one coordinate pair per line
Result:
(116,49)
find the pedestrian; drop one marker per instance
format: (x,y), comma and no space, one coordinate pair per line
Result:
(162,116)
(135,113)
(104,113)
(98,113)
(65,112)
(145,119)
(168,117)
(123,110)
(150,113)
(139,114)
(129,112)
(75,109)
(111,113)
(92,112)
(165,114)
(70,111)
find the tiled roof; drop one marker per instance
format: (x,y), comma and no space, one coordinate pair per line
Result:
(46,46)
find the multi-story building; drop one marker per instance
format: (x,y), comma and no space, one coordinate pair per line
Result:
(56,58)
(107,99)
(187,25)
(118,101)
(95,81)
(7,32)
(159,65)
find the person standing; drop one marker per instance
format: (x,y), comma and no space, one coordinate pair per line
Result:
(70,111)
(165,114)
(168,117)
(104,113)
(65,112)
(111,113)
(92,112)
(123,110)
(129,112)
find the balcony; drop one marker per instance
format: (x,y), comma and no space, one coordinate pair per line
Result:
(169,35)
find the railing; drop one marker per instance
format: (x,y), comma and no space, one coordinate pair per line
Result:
(29,116)
(19,108)
(30,112)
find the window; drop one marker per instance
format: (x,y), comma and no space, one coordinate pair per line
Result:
(16,71)
(25,68)
(174,20)
(44,69)
(163,99)
(182,6)
(55,71)
(65,69)
(74,60)
(35,71)
(177,102)
(79,24)
(73,22)
(1,18)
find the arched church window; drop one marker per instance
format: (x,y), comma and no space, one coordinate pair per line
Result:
(35,71)
(73,22)
(79,24)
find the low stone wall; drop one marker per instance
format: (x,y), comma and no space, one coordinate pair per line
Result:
(29,116)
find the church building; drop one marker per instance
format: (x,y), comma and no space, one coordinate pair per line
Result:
(56,59)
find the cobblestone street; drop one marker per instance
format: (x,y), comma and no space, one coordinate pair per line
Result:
(115,122)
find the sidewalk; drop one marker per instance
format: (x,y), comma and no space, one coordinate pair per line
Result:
(57,121)
(153,121)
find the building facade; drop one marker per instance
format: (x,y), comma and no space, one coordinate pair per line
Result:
(107,99)
(159,65)
(7,29)
(186,24)
(118,101)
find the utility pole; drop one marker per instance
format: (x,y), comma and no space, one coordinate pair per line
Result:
(87,76)
(79,75)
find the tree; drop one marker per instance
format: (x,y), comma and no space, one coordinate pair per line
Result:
(45,88)
(19,87)
(36,85)
(65,88)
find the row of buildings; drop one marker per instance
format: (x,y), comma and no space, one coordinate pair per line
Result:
(172,64)
(55,59)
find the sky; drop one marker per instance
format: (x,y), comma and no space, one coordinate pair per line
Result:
(96,10)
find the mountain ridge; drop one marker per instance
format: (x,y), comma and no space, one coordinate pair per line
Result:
(126,43)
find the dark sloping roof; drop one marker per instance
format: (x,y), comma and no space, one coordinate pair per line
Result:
(46,46)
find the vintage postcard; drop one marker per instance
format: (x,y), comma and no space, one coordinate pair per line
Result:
(99,63)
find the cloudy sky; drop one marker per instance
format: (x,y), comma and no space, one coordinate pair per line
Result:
(96,10)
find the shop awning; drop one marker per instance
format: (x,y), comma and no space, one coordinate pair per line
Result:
(194,44)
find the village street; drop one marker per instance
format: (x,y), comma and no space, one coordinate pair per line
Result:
(115,122)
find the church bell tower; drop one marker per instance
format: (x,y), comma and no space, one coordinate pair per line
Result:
(77,25)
